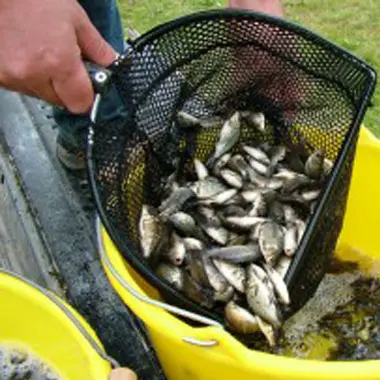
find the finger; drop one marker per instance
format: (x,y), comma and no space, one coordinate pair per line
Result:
(74,88)
(122,374)
(93,46)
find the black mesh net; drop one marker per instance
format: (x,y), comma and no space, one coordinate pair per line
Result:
(312,93)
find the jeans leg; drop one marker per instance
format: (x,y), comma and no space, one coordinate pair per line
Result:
(105,15)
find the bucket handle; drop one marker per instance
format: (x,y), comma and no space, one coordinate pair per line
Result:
(57,301)
(170,308)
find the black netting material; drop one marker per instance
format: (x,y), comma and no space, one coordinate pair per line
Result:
(211,64)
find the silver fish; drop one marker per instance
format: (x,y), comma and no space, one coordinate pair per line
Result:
(208,187)
(239,165)
(219,199)
(221,163)
(176,254)
(185,120)
(172,274)
(327,166)
(192,244)
(196,265)
(293,184)
(255,120)
(249,195)
(310,195)
(256,178)
(257,155)
(260,295)
(274,183)
(238,254)
(258,166)
(268,330)
(259,206)
(283,265)
(279,285)
(301,227)
(239,319)
(233,273)
(277,154)
(291,239)
(223,290)
(229,136)
(244,222)
(271,241)
(152,231)
(200,169)
(175,201)
(255,233)
(183,222)
(231,178)
(287,174)
(218,234)
(314,164)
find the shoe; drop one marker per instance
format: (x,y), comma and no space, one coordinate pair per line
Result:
(70,156)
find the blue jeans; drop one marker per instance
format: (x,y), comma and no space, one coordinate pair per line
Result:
(105,15)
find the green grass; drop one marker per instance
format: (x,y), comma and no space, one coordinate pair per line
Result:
(352,24)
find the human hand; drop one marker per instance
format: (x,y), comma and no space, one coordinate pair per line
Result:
(122,374)
(42,44)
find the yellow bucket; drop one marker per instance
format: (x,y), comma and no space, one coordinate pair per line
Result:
(37,320)
(211,353)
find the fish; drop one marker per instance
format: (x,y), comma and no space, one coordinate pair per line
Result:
(301,227)
(257,155)
(291,239)
(208,187)
(268,331)
(221,198)
(255,120)
(193,244)
(238,164)
(175,201)
(238,254)
(283,265)
(310,195)
(221,163)
(233,273)
(260,295)
(176,254)
(271,241)
(200,169)
(259,167)
(290,214)
(292,184)
(249,195)
(279,285)
(223,290)
(327,166)
(229,136)
(244,222)
(217,233)
(314,164)
(239,319)
(174,275)
(231,178)
(185,120)
(183,222)
(153,232)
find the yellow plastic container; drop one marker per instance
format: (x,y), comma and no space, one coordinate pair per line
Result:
(211,353)
(50,329)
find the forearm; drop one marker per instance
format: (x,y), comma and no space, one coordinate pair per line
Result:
(272,7)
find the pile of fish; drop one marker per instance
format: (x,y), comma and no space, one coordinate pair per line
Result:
(16,364)
(227,237)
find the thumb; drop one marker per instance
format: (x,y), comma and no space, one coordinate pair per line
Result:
(93,47)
